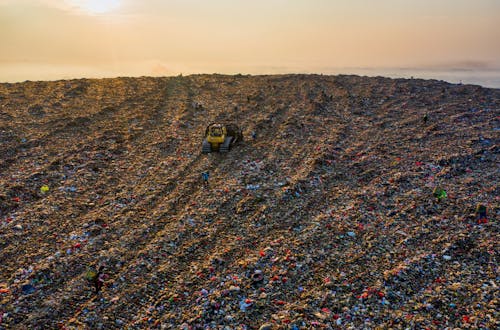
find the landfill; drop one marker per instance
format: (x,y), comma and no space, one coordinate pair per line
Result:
(350,204)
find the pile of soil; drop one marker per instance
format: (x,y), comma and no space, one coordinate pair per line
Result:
(324,216)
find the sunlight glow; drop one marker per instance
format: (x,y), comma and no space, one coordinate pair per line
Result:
(96,7)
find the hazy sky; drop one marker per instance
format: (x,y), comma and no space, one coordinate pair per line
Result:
(52,39)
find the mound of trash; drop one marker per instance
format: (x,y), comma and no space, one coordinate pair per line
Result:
(353,202)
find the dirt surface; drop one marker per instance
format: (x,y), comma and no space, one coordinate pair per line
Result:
(324,218)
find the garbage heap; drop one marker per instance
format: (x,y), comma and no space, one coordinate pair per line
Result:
(350,204)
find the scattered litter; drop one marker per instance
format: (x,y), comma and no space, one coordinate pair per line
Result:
(344,211)
(28,289)
(44,189)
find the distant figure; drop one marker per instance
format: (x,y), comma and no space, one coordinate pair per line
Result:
(96,278)
(204,177)
(481,215)
(99,281)
(439,194)
(254,135)
(426,118)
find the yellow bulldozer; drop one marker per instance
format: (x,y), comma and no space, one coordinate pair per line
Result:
(221,137)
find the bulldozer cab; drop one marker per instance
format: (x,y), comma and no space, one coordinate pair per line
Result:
(216,131)
(215,134)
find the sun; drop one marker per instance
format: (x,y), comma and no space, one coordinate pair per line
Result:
(96,7)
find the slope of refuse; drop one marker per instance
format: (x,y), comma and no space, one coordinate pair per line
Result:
(324,217)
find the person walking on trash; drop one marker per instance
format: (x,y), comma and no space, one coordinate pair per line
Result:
(99,281)
(481,215)
(204,177)
(439,194)
(97,278)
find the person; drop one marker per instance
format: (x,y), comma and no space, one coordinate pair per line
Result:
(96,278)
(99,279)
(439,194)
(205,176)
(481,216)
(254,135)
(426,118)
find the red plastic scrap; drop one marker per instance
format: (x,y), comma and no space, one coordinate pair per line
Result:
(364,295)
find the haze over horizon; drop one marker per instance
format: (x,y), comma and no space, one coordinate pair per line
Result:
(61,39)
